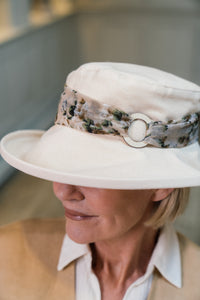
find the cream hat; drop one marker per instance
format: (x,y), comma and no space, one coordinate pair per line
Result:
(119,126)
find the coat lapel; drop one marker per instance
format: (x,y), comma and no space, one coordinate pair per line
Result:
(64,285)
(190,257)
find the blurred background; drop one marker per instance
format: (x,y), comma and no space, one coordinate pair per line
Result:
(41,41)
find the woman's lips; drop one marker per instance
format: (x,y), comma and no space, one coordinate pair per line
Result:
(76,215)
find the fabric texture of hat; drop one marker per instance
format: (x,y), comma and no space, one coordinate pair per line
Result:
(97,142)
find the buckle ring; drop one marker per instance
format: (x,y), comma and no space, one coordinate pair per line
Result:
(133,139)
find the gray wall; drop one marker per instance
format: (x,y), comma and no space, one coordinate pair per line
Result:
(180,5)
(160,38)
(33,68)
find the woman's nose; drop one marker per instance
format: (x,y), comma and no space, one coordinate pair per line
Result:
(67,192)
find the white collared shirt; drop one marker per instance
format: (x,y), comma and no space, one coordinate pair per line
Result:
(165,257)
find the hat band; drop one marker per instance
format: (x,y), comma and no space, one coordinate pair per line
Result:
(83,113)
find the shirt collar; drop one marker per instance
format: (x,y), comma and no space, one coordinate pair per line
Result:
(71,251)
(166,255)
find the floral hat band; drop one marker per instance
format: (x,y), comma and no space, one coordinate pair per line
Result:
(137,130)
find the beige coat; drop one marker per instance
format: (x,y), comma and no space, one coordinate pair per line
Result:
(29,252)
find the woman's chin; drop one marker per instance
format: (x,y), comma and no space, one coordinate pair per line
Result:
(78,235)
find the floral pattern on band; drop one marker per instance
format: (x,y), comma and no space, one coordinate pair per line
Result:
(86,114)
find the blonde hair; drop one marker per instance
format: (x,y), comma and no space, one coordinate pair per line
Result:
(169,208)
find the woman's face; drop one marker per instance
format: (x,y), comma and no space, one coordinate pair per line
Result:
(95,214)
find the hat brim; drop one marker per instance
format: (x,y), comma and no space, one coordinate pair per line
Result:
(66,155)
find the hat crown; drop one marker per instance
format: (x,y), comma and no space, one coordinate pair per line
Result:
(133,88)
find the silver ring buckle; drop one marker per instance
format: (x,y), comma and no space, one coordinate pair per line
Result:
(133,140)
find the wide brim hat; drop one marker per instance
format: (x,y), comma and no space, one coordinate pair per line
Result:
(77,150)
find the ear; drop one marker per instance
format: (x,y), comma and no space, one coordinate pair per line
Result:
(161,194)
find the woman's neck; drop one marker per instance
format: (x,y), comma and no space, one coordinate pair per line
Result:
(121,261)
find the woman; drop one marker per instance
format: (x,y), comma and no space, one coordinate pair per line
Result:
(120,154)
